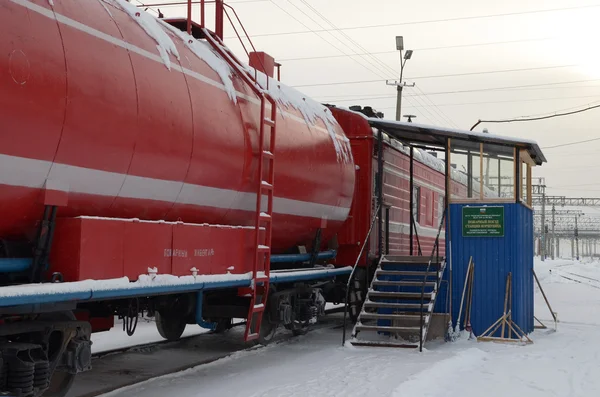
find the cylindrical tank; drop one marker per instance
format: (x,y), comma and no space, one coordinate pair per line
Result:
(133,125)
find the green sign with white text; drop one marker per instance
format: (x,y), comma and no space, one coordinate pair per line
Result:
(483,221)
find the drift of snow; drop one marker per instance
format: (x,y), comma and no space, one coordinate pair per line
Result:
(151,26)
(158,29)
(123,283)
(310,109)
(204,52)
(105,7)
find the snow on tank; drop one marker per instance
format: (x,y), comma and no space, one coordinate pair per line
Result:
(285,96)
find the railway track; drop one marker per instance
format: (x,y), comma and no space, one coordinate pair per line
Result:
(151,345)
(593,280)
(128,366)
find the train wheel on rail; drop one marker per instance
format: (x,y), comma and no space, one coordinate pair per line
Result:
(223,325)
(267,330)
(61,381)
(170,327)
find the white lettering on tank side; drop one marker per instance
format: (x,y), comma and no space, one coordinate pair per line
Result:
(204,252)
(175,253)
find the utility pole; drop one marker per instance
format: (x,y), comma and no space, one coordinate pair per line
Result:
(553,235)
(400,84)
(543,234)
(572,248)
(553,246)
(576,239)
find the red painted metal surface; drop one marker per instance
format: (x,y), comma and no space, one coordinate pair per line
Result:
(89,249)
(130,138)
(146,245)
(102,248)
(396,188)
(262,62)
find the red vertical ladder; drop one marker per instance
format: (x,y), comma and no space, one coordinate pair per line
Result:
(261,269)
(262,259)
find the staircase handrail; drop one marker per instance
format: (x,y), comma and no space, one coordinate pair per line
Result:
(414,226)
(353,271)
(434,251)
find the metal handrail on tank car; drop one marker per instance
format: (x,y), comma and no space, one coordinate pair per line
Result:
(202,3)
(353,270)
(435,251)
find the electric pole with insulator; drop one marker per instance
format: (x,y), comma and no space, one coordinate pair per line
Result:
(400,84)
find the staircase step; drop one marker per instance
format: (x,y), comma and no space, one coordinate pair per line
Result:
(399,295)
(384,328)
(410,260)
(398,317)
(405,259)
(404,283)
(383,344)
(401,273)
(389,305)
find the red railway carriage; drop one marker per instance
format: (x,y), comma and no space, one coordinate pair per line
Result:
(428,193)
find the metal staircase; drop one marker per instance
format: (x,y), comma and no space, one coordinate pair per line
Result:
(399,303)
(259,289)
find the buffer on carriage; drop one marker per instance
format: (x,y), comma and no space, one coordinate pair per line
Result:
(487,224)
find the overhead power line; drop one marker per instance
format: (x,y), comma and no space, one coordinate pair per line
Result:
(523,87)
(515,120)
(576,142)
(483,102)
(323,38)
(381,67)
(442,75)
(421,49)
(465,18)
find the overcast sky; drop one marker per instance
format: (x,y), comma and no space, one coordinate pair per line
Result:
(449,38)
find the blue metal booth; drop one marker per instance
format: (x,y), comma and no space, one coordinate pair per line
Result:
(488,224)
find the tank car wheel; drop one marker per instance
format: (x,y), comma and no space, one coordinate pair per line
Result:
(60,384)
(267,331)
(170,327)
(223,325)
(300,328)
(61,381)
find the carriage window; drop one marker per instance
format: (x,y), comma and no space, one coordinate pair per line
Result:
(498,171)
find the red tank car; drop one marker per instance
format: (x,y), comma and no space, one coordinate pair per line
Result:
(115,114)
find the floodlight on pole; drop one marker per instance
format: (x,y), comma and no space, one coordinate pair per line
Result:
(399,43)
(400,84)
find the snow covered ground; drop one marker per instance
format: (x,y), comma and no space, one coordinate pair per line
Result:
(562,363)
(145,332)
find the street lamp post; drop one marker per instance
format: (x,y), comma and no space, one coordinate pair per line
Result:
(400,84)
